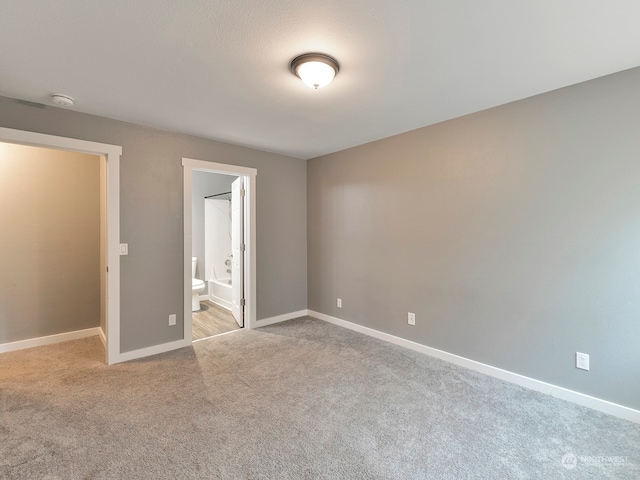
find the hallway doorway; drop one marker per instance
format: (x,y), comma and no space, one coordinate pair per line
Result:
(109,264)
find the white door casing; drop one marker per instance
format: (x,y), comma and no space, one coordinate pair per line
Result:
(237,251)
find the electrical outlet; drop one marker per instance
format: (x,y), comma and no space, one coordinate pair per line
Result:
(411,317)
(172,319)
(582,361)
(339,303)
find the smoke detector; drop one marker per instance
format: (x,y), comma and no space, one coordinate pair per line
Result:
(62,100)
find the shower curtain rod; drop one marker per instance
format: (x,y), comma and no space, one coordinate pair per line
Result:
(217,195)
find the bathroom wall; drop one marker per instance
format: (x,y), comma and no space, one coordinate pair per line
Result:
(151,219)
(49,243)
(204,184)
(513,234)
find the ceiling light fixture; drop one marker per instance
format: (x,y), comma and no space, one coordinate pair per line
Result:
(315,69)
(62,100)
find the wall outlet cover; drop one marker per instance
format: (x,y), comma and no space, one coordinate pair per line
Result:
(411,318)
(582,361)
(339,303)
(172,319)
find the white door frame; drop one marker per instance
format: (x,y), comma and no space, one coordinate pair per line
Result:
(249,174)
(112,154)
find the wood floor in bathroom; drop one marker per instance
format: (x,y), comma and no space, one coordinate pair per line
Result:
(212,320)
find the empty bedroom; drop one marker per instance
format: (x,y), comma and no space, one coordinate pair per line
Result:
(301,239)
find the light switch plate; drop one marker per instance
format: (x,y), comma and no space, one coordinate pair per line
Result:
(124,249)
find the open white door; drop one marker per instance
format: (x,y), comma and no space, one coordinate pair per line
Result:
(237,250)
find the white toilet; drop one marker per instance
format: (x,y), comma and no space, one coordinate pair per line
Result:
(197,286)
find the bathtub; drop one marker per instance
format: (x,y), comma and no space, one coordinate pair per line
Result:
(220,292)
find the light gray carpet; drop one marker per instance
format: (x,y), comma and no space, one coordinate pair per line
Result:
(299,400)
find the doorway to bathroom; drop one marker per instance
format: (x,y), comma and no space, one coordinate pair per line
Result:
(219,229)
(216,227)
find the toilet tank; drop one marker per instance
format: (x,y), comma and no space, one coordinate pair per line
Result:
(194,264)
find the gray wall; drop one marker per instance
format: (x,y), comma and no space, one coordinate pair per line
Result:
(151,216)
(513,234)
(204,184)
(49,242)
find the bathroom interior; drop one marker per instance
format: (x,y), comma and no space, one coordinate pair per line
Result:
(212,265)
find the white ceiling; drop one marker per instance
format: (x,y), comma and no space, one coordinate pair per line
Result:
(219,69)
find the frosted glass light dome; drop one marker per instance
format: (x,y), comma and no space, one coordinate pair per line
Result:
(315,69)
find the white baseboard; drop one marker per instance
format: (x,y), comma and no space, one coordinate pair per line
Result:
(527,382)
(49,339)
(154,350)
(103,337)
(226,306)
(281,318)
(218,301)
